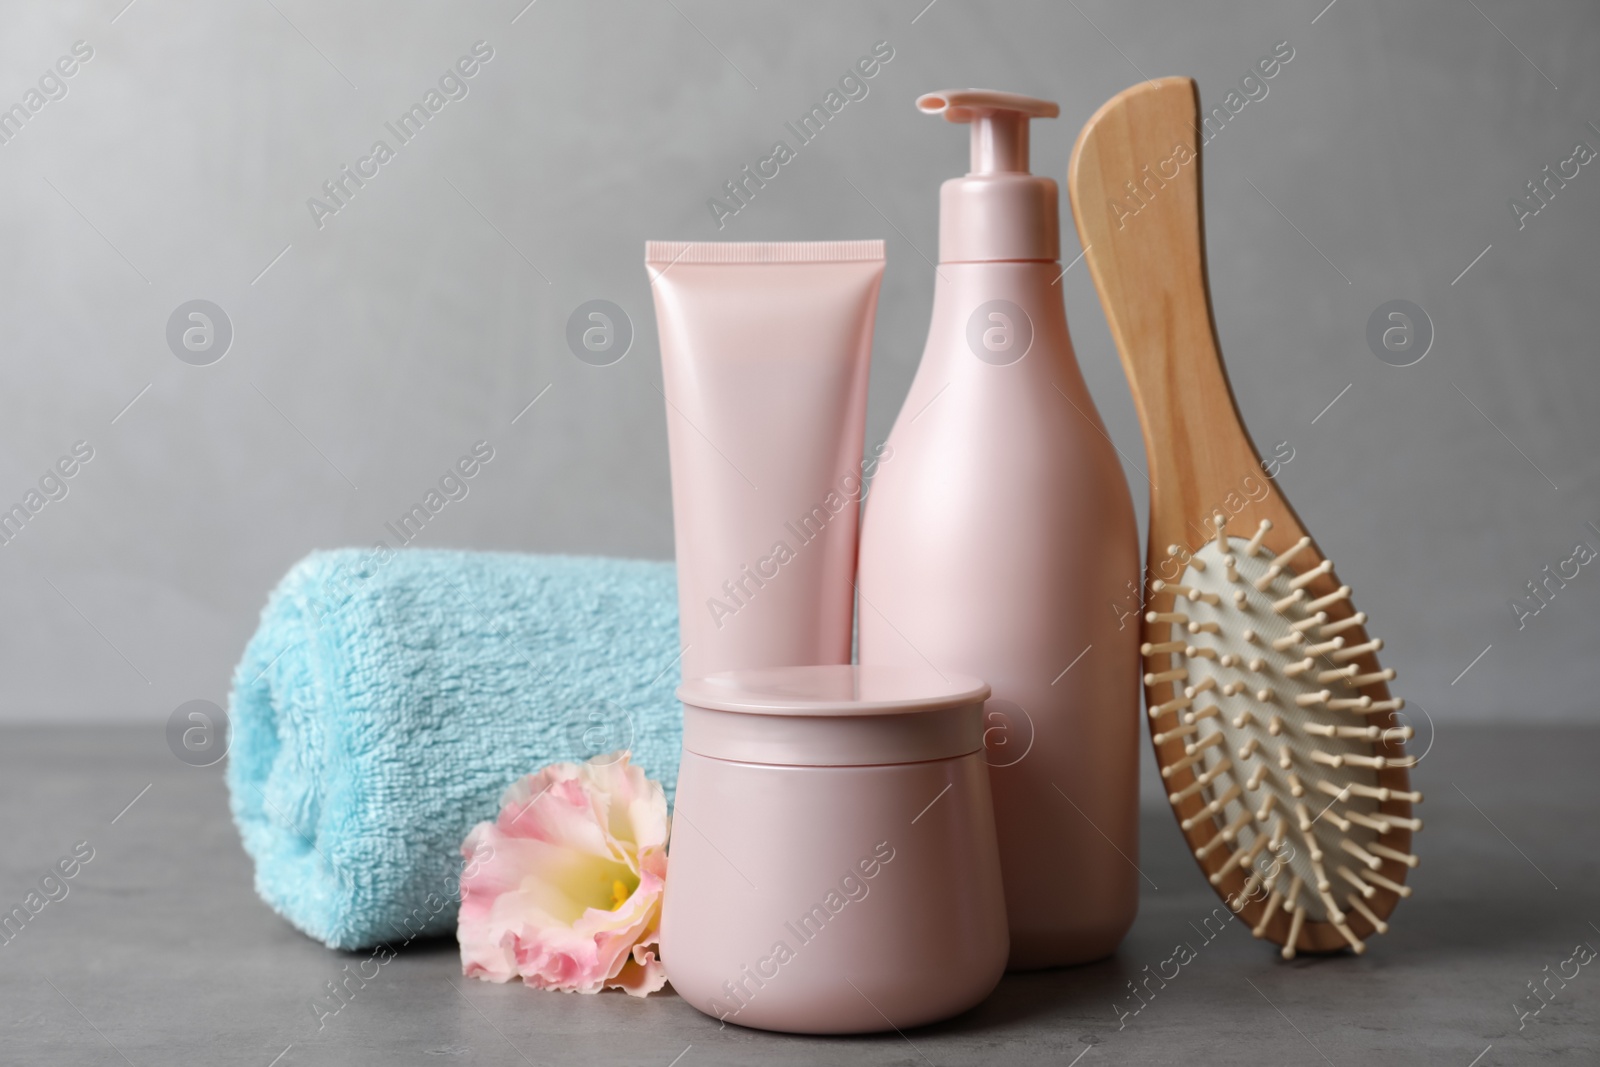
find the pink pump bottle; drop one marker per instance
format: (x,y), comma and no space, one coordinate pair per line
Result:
(1001,543)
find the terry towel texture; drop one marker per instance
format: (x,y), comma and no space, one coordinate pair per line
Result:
(385,703)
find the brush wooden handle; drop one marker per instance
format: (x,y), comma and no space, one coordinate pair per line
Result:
(1147,256)
(1135,187)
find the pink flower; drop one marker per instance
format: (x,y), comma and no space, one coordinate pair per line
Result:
(564,889)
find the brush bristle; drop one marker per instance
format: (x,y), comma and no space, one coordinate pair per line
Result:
(1285,728)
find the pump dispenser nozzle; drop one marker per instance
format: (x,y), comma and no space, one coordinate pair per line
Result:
(999,211)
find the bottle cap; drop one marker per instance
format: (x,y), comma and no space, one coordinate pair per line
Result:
(999,211)
(835,716)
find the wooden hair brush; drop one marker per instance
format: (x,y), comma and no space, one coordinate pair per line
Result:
(1270,717)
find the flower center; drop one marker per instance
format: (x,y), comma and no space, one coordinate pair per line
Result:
(619,894)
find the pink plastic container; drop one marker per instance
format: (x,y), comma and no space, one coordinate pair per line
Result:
(1001,542)
(833,866)
(765,347)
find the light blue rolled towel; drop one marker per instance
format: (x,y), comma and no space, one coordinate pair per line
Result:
(387,700)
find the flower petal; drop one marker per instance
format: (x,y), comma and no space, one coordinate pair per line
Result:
(564,888)
(642,975)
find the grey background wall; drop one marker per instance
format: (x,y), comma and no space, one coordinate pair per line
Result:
(372,350)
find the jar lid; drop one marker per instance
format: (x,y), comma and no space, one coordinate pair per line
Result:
(828,716)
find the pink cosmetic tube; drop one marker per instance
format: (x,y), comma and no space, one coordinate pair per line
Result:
(765,349)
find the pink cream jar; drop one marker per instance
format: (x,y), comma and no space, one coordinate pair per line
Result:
(833,866)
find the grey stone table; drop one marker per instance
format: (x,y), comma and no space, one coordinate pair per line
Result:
(160,952)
